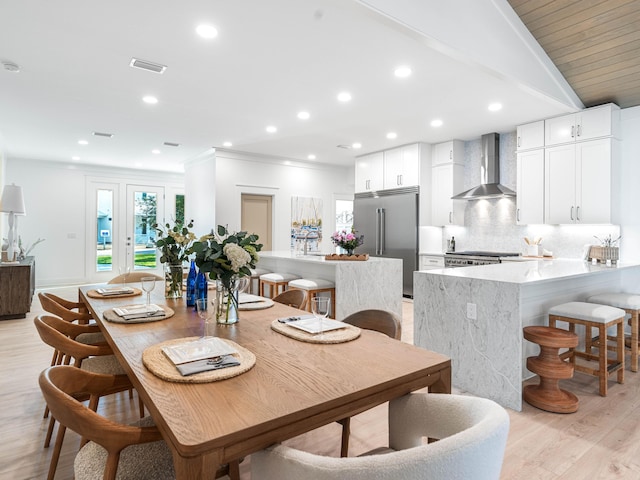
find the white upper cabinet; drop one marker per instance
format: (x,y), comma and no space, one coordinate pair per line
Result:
(447,180)
(369,172)
(448,152)
(530,136)
(591,123)
(530,187)
(402,166)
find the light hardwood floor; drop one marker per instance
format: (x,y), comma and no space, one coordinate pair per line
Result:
(600,441)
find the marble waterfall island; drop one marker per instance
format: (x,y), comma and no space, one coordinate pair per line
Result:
(360,285)
(485,342)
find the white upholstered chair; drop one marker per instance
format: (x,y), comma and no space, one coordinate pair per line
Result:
(471,432)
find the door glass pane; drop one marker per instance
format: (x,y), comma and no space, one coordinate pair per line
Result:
(104,222)
(344,215)
(144,234)
(180,209)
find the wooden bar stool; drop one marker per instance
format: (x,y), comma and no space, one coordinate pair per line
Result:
(277,282)
(254,283)
(314,287)
(548,365)
(630,303)
(592,315)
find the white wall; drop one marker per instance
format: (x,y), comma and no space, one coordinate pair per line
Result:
(282,179)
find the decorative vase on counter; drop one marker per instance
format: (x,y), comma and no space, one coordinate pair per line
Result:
(227,299)
(173,280)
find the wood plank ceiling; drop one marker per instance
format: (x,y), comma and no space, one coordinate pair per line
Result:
(594,43)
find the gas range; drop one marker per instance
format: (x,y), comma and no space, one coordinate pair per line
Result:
(473,258)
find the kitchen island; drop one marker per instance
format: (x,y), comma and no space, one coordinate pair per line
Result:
(360,285)
(475,315)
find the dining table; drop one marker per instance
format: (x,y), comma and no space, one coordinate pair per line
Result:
(293,387)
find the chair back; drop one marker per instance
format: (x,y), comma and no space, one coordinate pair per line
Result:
(133,277)
(471,432)
(60,384)
(378,320)
(63,308)
(294,298)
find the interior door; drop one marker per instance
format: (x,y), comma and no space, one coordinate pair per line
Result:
(144,208)
(255,217)
(104,252)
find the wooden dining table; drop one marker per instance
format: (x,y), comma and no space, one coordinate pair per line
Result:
(294,386)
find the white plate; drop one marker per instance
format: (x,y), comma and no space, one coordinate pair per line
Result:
(312,325)
(191,351)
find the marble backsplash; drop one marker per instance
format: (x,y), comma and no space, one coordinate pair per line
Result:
(491,225)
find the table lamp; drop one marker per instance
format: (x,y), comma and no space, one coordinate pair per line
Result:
(12,202)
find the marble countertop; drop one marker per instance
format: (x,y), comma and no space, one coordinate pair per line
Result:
(315,257)
(533,271)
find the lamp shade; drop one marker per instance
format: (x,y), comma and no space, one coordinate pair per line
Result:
(12,200)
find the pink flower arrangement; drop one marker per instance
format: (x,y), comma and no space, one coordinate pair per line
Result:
(347,240)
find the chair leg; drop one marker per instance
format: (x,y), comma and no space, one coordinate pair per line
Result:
(234,470)
(56,452)
(141,406)
(602,357)
(47,440)
(346,430)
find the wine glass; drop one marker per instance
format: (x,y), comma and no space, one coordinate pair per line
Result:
(320,309)
(206,311)
(124,273)
(148,284)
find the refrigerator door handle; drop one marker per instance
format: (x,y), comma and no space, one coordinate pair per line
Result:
(382,230)
(378,231)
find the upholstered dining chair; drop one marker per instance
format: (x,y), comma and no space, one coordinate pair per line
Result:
(471,435)
(59,334)
(293,298)
(133,277)
(380,321)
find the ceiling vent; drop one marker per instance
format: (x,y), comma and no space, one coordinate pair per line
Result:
(169,144)
(346,147)
(149,66)
(102,134)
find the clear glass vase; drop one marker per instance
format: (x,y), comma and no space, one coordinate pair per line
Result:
(227,296)
(172,280)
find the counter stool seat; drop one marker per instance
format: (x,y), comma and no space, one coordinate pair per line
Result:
(548,365)
(254,283)
(591,315)
(314,287)
(630,303)
(276,282)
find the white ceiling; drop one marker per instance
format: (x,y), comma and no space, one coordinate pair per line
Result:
(270,60)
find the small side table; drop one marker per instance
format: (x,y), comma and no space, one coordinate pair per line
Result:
(551,369)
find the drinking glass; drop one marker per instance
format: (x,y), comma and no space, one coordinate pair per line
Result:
(320,308)
(148,284)
(124,273)
(206,311)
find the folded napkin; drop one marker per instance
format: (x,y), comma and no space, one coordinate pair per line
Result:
(114,291)
(248,298)
(202,349)
(190,368)
(131,312)
(295,319)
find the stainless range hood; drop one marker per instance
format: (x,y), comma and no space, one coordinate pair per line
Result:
(490,186)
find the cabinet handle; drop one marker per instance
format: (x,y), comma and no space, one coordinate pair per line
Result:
(571,212)
(518,141)
(573,131)
(366,184)
(450,154)
(400,180)
(578,213)
(517,214)
(579,131)
(450,217)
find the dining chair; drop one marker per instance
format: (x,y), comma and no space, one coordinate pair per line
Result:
(380,321)
(470,433)
(293,298)
(133,277)
(58,334)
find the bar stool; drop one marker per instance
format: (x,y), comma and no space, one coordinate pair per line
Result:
(314,287)
(275,282)
(592,315)
(550,368)
(254,283)
(630,303)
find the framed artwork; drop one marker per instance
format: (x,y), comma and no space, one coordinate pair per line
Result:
(306,223)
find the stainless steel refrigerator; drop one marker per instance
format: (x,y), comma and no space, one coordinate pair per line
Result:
(388,219)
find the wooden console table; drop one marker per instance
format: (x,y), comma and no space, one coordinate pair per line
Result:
(17,284)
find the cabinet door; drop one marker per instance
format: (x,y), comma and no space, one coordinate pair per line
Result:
(530,136)
(560,130)
(530,187)
(369,172)
(447,181)
(594,123)
(448,152)
(410,165)
(593,176)
(560,184)
(393,168)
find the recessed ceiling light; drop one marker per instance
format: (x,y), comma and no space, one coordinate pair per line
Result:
(207,31)
(271,129)
(311,157)
(83,142)
(227,144)
(303,115)
(436,123)
(494,107)
(344,96)
(356,145)
(392,135)
(402,72)
(155,151)
(150,99)
(75,158)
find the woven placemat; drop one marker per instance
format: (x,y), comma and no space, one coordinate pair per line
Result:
(333,336)
(266,303)
(95,294)
(112,316)
(158,364)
